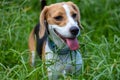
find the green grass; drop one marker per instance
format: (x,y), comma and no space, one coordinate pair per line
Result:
(99,41)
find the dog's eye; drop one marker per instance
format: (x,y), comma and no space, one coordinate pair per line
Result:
(58,18)
(74,15)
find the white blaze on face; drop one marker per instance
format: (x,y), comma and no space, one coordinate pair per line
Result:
(71,21)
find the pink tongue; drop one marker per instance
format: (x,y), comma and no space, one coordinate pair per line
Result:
(72,43)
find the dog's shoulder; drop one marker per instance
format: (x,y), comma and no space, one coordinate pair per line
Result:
(40,41)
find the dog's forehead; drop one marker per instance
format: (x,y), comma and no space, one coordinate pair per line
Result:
(58,7)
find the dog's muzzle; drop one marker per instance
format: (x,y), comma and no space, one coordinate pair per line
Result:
(72,41)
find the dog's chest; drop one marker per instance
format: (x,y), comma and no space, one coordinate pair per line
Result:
(69,63)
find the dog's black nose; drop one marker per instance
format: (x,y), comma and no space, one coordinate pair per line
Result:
(74,30)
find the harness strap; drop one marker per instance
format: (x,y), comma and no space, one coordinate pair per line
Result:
(55,49)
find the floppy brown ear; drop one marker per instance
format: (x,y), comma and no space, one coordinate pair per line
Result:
(77,9)
(42,22)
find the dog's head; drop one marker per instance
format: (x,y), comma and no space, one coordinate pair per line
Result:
(63,21)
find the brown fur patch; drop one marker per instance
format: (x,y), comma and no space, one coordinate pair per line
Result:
(42,22)
(31,42)
(43,51)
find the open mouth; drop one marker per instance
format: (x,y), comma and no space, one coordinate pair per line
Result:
(71,42)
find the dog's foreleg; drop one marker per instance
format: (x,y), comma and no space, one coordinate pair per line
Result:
(32,48)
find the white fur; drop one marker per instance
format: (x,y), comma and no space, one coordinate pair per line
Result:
(33,58)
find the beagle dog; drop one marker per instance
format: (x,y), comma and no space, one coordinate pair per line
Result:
(55,39)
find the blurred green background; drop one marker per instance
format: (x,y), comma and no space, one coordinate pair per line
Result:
(99,41)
